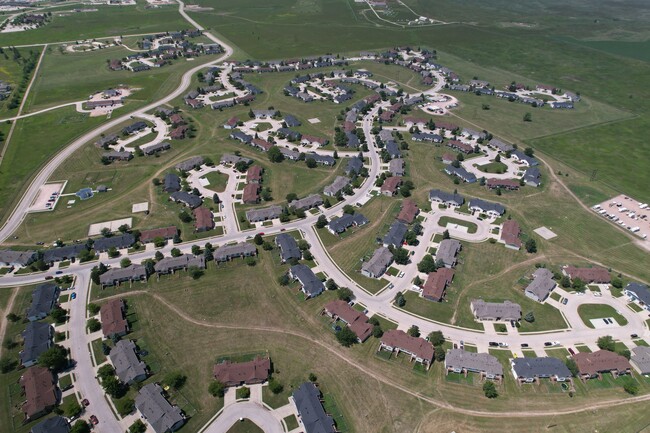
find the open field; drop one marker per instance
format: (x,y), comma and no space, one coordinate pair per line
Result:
(599,311)
(106,21)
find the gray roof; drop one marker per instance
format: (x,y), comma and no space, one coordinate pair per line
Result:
(234,159)
(486,206)
(446,197)
(184,261)
(321,159)
(262,214)
(540,367)
(121,241)
(476,362)
(641,358)
(43,299)
(186,198)
(156,409)
(354,165)
(149,150)
(380,260)
(522,156)
(426,137)
(532,175)
(385,135)
(171,183)
(339,183)
(460,172)
(641,291)
(56,424)
(127,365)
(241,136)
(310,410)
(310,283)
(393,149)
(22,258)
(189,164)
(288,247)
(504,147)
(288,153)
(353,140)
(447,250)
(395,235)
(491,310)
(291,121)
(396,167)
(133,272)
(542,284)
(37,338)
(227,252)
(339,225)
(63,253)
(289,133)
(308,202)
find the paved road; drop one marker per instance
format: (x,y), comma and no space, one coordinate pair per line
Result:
(255,412)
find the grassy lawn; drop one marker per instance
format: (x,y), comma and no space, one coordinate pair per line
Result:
(63,298)
(291,422)
(65,382)
(97,350)
(493,167)
(555,296)
(582,348)
(634,307)
(438,311)
(599,311)
(560,353)
(217,181)
(245,426)
(445,220)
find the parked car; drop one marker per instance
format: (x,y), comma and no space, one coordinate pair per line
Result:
(548,344)
(73,295)
(503,344)
(512,323)
(571,351)
(634,335)
(49,277)
(58,272)
(85,402)
(94,420)
(565,301)
(524,345)
(493,344)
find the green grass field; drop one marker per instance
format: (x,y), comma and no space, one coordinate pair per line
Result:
(599,311)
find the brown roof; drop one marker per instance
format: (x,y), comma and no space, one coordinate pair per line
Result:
(40,391)
(163,232)
(178,133)
(415,345)
(602,361)
(176,119)
(232,121)
(203,218)
(314,139)
(589,275)
(254,174)
(447,126)
(263,144)
(505,183)
(349,126)
(250,193)
(408,212)
(356,320)
(463,147)
(416,120)
(436,283)
(250,372)
(387,115)
(112,317)
(391,184)
(449,157)
(510,233)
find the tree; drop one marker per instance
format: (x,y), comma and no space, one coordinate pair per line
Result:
(125,262)
(414,331)
(138,427)
(291,197)
(105,371)
(401,256)
(250,261)
(331,285)
(113,252)
(625,353)
(159,242)
(55,358)
(158,256)
(617,282)
(436,338)
(113,386)
(196,250)
(58,314)
(346,337)
(312,377)
(565,282)
(348,209)
(531,245)
(93,325)
(631,387)
(244,392)
(311,163)
(13,317)
(606,342)
(529,317)
(321,222)
(93,308)
(578,285)
(80,426)
(175,379)
(7,364)
(529,152)
(275,387)
(445,234)
(258,239)
(303,245)
(275,155)
(195,272)
(572,366)
(184,216)
(427,264)
(528,117)
(123,228)
(175,252)
(345,294)
(216,389)
(400,301)
(490,390)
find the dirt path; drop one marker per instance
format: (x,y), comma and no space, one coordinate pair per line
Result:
(4,320)
(589,406)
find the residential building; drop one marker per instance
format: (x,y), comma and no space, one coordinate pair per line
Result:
(541,286)
(460,361)
(396,167)
(17,258)
(491,209)
(251,193)
(242,373)
(190,200)
(435,286)
(495,311)
(311,285)
(354,166)
(203,219)
(116,155)
(44,298)
(307,203)
(152,405)
(165,233)
(311,413)
(229,252)
(390,186)
(592,365)
(41,393)
(461,173)
(530,370)
(641,359)
(263,214)
(63,253)
(127,366)
(56,424)
(510,232)
(229,159)
(500,145)
(460,146)
(639,293)
(288,247)
(447,251)
(339,225)
(524,159)
(171,183)
(119,242)
(171,264)
(446,198)
(155,148)
(254,174)
(190,164)
(380,261)
(356,320)
(37,338)
(395,235)
(112,316)
(507,184)
(418,348)
(595,275)
(337,186)
(532,176)
(115,276)
(408,212)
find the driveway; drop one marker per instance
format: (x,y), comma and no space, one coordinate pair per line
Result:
(255,412)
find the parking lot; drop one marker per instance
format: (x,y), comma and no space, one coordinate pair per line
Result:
(627,213)
(48,196)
